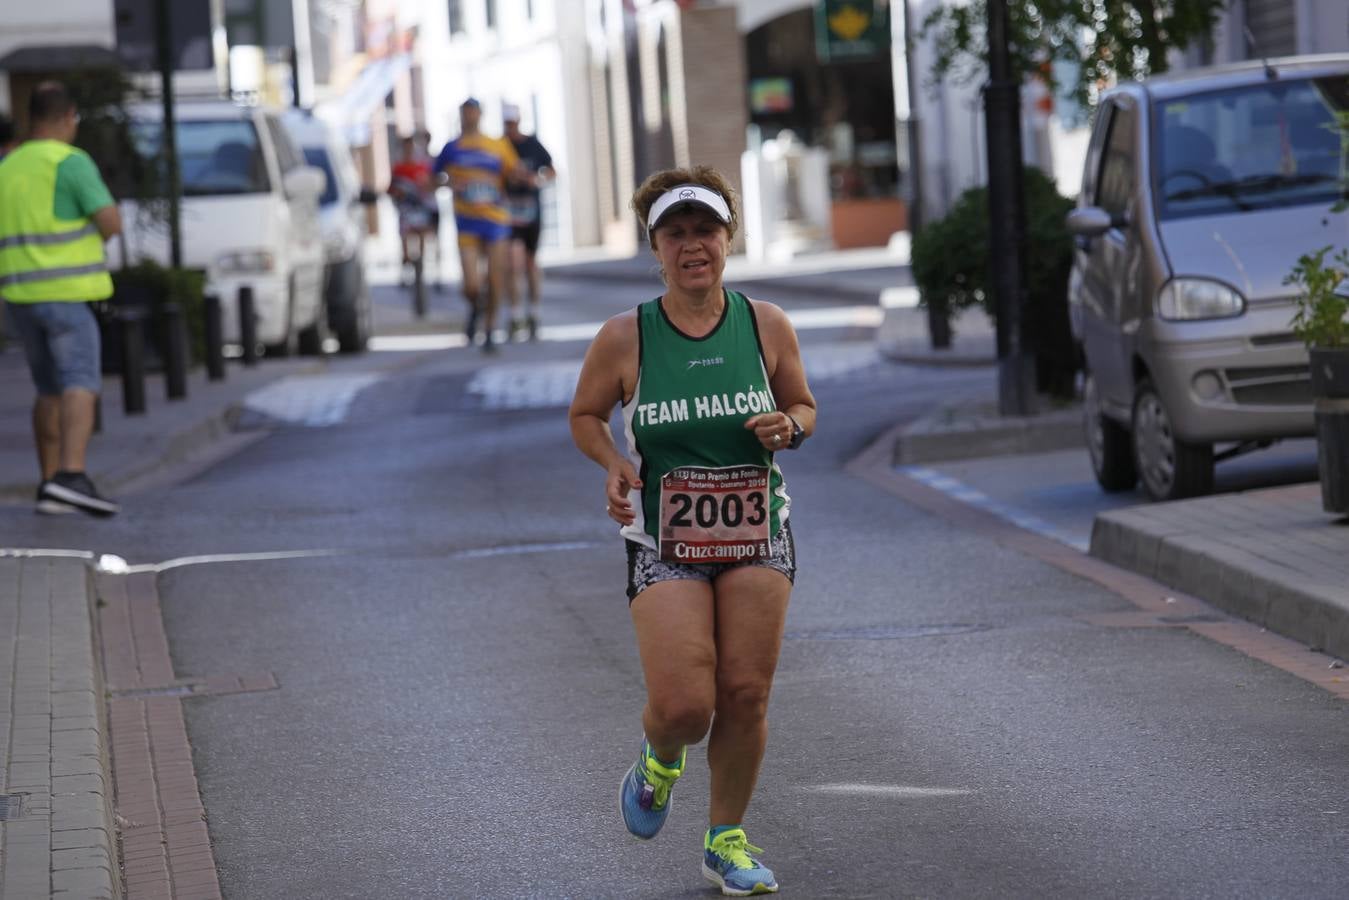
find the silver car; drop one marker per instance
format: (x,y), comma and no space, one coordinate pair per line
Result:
(1200,192)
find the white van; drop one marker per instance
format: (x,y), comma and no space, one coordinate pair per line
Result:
(249,217)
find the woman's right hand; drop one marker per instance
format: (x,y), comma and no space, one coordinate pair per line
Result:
(621,479)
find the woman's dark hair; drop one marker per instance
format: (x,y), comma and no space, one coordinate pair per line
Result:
(49,102)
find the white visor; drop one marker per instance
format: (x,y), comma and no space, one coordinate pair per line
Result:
(687,195)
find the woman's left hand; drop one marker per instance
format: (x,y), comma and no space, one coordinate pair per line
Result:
(774,429)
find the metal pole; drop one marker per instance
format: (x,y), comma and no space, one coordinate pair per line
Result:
(215,339)
(248,326)
(175,352)
(1007,217)
(164,52)
(133,362)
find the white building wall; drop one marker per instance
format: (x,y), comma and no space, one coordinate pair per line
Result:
(538,63)
(1320,26)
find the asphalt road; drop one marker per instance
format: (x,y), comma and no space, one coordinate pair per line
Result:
(459,689)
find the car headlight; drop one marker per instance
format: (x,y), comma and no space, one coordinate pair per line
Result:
(248,261)
(1185,299)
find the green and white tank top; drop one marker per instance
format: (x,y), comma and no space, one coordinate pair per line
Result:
(685,427)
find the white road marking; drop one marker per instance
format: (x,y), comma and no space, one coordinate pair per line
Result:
(965,494)
(887,790)
(25,553)
(311,400)
(802,320)
(514,549)
(227,558)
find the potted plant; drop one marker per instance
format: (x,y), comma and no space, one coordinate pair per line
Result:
(1322,322)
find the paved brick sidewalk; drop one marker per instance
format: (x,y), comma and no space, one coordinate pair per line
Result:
(56,829)
(1270,556)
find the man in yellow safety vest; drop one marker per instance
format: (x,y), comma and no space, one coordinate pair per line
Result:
(55,214)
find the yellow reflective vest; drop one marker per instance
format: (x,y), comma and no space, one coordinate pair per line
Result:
(43,258)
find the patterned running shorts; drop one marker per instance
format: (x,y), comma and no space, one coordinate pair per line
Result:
(645,567)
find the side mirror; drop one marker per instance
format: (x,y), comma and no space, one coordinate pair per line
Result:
(367,197)
(1089,222)
(304,182)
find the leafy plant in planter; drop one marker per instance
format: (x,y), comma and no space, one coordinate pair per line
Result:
(1322,322)
(950,266)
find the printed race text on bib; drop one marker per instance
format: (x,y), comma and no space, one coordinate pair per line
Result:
(714,515)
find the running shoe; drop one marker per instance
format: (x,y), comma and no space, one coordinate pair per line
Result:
(471,326)
(644,796)
(533,322)
(50,507)
(76,489)
(727,863)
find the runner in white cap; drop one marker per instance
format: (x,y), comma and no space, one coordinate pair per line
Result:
(711,387)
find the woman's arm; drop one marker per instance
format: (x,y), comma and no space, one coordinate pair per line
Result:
(786,376)
(608,373)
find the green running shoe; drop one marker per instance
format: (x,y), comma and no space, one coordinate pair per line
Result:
(644,797)
(727,863)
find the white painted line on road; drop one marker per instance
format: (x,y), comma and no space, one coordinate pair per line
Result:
(887,790)
(965,494)
(801,319)
(227,558)
(312,400)
(513,549)
(62,554)
(899,298)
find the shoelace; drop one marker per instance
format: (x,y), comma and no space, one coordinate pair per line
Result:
(735,848)
(661,778)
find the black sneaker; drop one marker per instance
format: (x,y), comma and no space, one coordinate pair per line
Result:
(533,328)
(488,345)
(76,489)
(49,507)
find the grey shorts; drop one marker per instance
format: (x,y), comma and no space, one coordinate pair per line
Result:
(645,567)
(61,342)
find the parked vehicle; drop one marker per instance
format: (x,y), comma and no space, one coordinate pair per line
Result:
(1200,192)
(249,216)
(342,223)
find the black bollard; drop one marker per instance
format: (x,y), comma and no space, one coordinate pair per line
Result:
(133,361)
(248,326)
(215,339)
(175,351)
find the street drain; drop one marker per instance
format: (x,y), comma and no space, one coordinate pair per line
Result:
(10,806)
(882,632)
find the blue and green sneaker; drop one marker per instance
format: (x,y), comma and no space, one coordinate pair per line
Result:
(727,863)
(644,796)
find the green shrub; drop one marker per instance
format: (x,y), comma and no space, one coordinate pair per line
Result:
(951,269)
(162,285)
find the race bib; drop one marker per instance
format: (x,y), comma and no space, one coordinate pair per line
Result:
(524,210)
(714,515)
(481,192)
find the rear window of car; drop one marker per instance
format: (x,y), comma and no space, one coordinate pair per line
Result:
(318,157)
(1284,142)
(215,157)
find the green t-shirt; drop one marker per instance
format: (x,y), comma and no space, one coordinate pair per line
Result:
(80,191)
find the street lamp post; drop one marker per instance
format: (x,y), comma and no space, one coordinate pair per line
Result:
(1007,218)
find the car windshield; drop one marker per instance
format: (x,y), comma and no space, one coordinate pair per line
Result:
(1279,143)
(214,157)
(318,157)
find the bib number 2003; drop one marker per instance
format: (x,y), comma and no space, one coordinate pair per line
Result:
(714,515)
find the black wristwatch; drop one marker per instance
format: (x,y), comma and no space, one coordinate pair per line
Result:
(798,434)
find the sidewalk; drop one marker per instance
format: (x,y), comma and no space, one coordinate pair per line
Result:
(1271,556)
(57,836)
(129,447)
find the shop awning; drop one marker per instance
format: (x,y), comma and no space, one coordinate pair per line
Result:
(60,58)
(352,110)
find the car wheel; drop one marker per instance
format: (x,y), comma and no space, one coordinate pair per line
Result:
(1108,442)
(354,334)
(1169,468)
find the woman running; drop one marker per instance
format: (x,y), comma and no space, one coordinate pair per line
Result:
(711,385)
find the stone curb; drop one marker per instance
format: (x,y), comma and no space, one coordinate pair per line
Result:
(1270,596)
(63,842)
(954,432)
